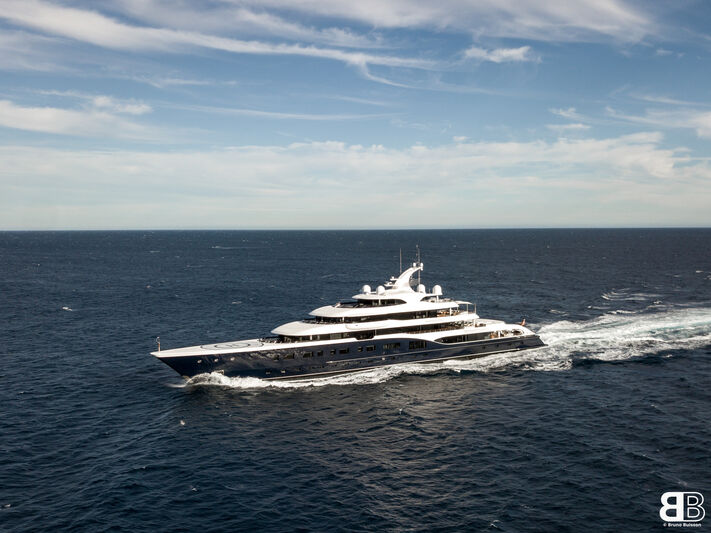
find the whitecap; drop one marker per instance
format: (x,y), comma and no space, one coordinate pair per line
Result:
(623,295)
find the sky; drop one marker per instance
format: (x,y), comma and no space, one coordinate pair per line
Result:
(316,114)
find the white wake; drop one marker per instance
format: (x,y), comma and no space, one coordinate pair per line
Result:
(610,337)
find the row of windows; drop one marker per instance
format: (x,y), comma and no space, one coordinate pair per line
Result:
(342,364)
(371,303)
(342,351)
(386,358)
(372,318)
(478,336)
(423,328)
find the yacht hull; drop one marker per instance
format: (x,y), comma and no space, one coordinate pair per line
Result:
(305,361)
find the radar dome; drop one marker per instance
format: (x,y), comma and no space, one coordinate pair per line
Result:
(381,289)
(366,289)
(437,290)
(421,288)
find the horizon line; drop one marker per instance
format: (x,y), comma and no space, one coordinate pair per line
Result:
(351,229)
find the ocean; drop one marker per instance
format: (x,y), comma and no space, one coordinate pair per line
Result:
(585,434)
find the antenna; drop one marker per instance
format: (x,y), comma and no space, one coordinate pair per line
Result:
(418,263)
(400,260)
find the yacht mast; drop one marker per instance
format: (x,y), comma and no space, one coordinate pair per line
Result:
(418,263)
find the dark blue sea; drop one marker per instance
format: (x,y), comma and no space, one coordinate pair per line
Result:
(583,435)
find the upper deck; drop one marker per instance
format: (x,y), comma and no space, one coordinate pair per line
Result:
(396,296)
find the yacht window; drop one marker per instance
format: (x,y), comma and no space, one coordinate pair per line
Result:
(289,356)
(391,346)
(333,352)
(462,338)
(370,348)
(308,354)
(416,344)
(344,350)
(319,353)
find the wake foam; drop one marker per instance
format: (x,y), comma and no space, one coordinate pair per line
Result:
(620,335)
(614,336)
(365,377)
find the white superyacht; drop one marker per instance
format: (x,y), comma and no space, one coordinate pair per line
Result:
(391,325)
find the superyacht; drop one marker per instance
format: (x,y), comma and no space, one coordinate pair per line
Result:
(398,322)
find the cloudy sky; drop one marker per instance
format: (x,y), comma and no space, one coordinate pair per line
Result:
(342,114)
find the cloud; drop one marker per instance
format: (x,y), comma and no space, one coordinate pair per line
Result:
(363,101)
(661,52)
(279,114)
(695,119)
(226,17)
(574,20)
(84,123)
(569,113)
(115,106)
(568,127)
(20,50)
(668,101)
(501,55)
(102,102)
(97,29)
(459,184)
(161,82)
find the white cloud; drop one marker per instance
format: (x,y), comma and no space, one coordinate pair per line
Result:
(280,114)
(569,113)
(459,184)
(102,102)
(572,20)
(84,123)
(226,17)
(20,50)
(501,55)
(695,119)
(357,100)
(577,126)
(115,106)
(167,81)
(97,29)
(668,101)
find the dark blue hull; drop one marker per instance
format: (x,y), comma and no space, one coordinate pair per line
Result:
(318,361)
